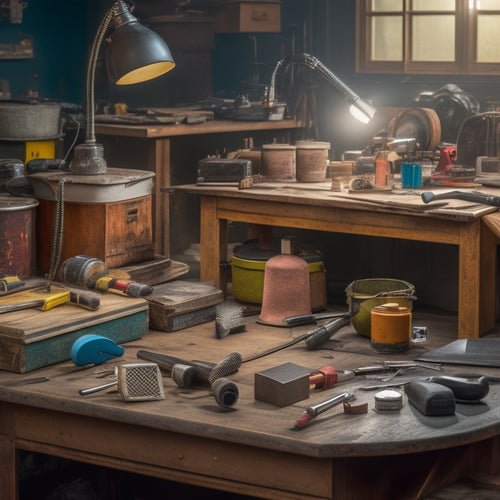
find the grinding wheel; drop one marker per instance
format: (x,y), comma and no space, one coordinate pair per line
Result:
(423,124)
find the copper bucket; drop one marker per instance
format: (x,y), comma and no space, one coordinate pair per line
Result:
(286,289)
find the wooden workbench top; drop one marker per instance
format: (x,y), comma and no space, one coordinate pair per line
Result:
(320,194)
(208,127)
(259,424)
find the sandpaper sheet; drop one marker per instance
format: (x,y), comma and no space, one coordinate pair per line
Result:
(475,352)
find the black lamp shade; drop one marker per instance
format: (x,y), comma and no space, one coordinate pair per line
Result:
(137,54)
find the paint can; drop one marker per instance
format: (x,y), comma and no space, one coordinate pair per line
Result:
(17,232)
(312,161)
(278,162)
(390,328)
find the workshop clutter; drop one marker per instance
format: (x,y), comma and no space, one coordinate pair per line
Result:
(304,161)
(248,268)
(365,294)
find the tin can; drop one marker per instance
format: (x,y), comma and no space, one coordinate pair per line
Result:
(278,162)
(312,160)
(390,328)
(17,232)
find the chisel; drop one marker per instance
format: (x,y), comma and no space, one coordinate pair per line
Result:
(44,304)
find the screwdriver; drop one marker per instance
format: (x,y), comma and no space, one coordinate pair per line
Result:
(314,410)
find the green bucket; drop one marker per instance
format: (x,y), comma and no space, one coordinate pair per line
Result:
(363,295)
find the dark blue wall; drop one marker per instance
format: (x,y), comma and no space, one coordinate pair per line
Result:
(58,30)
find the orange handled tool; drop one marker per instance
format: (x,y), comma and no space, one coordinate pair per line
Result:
(327,376)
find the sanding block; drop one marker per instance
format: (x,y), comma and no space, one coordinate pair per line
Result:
(94,350)
(430,398)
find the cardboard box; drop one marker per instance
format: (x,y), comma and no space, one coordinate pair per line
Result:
(237,16)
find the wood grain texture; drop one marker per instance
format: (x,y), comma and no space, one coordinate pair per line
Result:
(312,207)
(253,449)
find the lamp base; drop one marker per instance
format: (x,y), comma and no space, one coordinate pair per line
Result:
(88,159)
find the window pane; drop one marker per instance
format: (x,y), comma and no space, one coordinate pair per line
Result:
(488,41)
(387,38)
(488,4)
(433,5)
(428,42)
(387,5)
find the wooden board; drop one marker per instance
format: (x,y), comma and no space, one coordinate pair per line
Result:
(158,270)
(31,339)
(180,304)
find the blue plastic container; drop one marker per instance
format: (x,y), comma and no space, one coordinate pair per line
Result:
(411,175)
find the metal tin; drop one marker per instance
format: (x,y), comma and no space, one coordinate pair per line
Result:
(312,160)
(278,162)
(390,328)
(17,233)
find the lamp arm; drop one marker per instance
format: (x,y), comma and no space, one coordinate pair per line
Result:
(91,67)
(316,65)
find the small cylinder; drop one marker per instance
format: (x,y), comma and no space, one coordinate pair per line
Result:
(225,392)
(312,161)
(17,234)
(390,328)
(278,162)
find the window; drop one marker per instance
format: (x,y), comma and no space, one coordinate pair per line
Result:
(428,36)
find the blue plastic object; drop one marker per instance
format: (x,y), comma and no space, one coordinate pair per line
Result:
(94,350)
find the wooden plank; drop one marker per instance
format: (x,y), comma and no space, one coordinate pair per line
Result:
(469,286)
(493,222)
(175,453)
(31,339)
(180,304)
(8,484)
(210,127)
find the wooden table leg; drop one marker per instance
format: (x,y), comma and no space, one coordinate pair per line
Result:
(469,280)
(213,243)
(159,162)
(488,272)
(8,482)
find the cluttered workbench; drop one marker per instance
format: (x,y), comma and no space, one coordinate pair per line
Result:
(149,146)
(472,226)
(254,448)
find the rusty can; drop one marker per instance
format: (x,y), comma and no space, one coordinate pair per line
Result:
(17,232)
(278,162)
(312,161)
(390,328)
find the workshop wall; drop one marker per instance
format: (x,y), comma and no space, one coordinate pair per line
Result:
(58,33)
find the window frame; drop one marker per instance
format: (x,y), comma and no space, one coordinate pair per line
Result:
(465,43)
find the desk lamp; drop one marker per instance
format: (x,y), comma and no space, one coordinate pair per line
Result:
(360,109)
(135,54)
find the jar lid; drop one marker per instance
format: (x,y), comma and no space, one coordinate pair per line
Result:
(278,146)
(390,308)
(312,145)
(10,203)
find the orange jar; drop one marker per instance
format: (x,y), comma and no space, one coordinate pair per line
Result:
(390,328)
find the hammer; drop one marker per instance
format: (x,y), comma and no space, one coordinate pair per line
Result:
(474,197)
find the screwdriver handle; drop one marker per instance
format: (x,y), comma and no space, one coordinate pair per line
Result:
(325,332)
